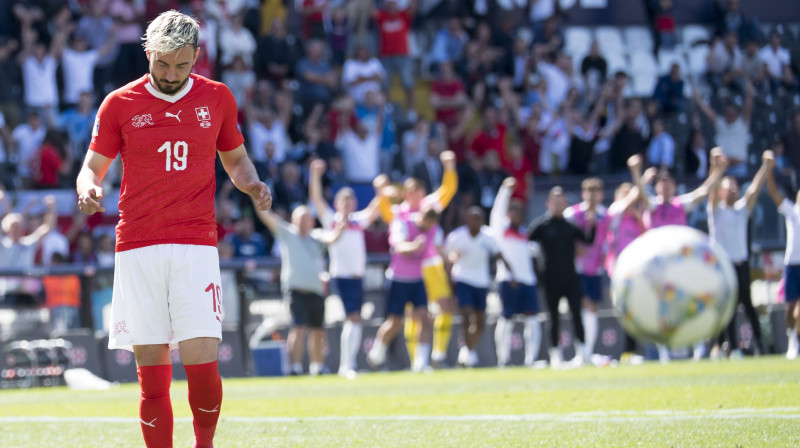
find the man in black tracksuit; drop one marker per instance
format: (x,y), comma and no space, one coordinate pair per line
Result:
(557,237)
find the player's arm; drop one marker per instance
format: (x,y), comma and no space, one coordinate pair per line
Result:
(270,219)
(718,166)
(317,169)
(500,207)
(49,222)
(499,256)
(772,188)
(88,182)
(767,165)
(398,239)
(639,180)
(328,237)
(444,194)
(244,177)
(703,106)
(384,204)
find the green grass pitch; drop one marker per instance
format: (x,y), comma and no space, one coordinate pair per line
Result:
(747,403)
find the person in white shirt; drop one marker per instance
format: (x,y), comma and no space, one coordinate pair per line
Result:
(517,281)
(775,57)
(362,74)
(728,215)
(732,130)
(39,63)
(267,125)
(28,137)
(791,261)
(348,257)
(77,64)
(236,40)
(471,248)
(360,148)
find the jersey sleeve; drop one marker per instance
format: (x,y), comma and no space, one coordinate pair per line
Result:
(444,194)
(398,232)
(230,134)
(106,133)
(326,217)
(787,209)
(687,202)
(361,218)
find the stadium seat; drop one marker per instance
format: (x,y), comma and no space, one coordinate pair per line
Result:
(638,39)
(643,84)
(697,59)
(617,61)
(644,62)
(610,40)
(577,39)
(691,34)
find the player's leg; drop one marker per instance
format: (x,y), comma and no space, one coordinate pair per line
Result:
(141,319)
(295,341)
(592,295)
(479,322)
(553,296)
(154,371)
(395,310)
(422,354)
(746,299)
(533,329)
(352,293)
(199,357)
(464,297)
(410,331)
(509,296)
(791,276)
(574,294)
(316,334)
(437,288)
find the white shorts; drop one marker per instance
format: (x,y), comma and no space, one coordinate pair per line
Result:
(165,294)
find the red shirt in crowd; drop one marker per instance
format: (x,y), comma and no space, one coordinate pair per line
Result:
(519,169)
(394,32)
(448,90)
(490,141)
(168,146)
(47,166)
(313,19)
(531,146)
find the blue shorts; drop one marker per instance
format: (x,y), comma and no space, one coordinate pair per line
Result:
(524,299)
(351,291)
(791,275)
(592,287)
(471,296)
(401,293)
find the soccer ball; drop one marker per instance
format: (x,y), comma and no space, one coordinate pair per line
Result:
(670,286)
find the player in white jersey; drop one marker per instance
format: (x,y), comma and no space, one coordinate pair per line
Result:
(728,215)
(471,248)
(348,258)
(517,281)
(791,269)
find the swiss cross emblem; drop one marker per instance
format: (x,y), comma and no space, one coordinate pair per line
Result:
(225,353)
(202,114)
(78,356)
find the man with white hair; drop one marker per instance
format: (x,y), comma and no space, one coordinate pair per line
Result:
(168,127)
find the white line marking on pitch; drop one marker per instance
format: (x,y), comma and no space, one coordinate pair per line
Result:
(787,413)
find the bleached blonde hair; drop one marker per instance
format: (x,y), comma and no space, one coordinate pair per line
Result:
(170,31)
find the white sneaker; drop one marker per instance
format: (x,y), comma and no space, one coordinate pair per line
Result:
(472,358)
(463,355)
(315,369)
(699,351)
(663,354)
(375,358)
(794,346)
(555,358)
(577,360)
(736,354)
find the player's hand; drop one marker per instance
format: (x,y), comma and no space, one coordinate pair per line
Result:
(380,182)
(635,161)
(89,201)
(649,174)
(419,241)
(768,158)
(513,283)
(448,159)
(259,191)
(510,183)
(318,167)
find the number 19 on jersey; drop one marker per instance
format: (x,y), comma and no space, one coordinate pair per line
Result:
(178,151)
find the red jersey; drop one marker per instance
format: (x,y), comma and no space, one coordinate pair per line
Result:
(519,170)
(168,146)
(47,166)
(490,141)
(394,33)
(449,90)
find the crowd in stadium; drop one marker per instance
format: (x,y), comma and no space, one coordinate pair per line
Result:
(385,87)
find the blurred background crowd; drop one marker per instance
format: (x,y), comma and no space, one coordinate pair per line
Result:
(383,86)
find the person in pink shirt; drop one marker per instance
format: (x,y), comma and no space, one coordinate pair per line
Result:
(590,258)
(412,238)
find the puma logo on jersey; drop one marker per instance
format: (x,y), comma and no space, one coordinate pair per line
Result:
(151,424)
(175,116)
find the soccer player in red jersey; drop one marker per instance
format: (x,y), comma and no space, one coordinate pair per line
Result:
(168,127)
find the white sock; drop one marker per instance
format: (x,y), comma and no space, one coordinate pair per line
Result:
(590,326)
(533,339)
(502,340)
(344,349)
(297,368)
(579,350)
(378,351)
(421,356)
(314,368)
(354,344)
(472,359)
